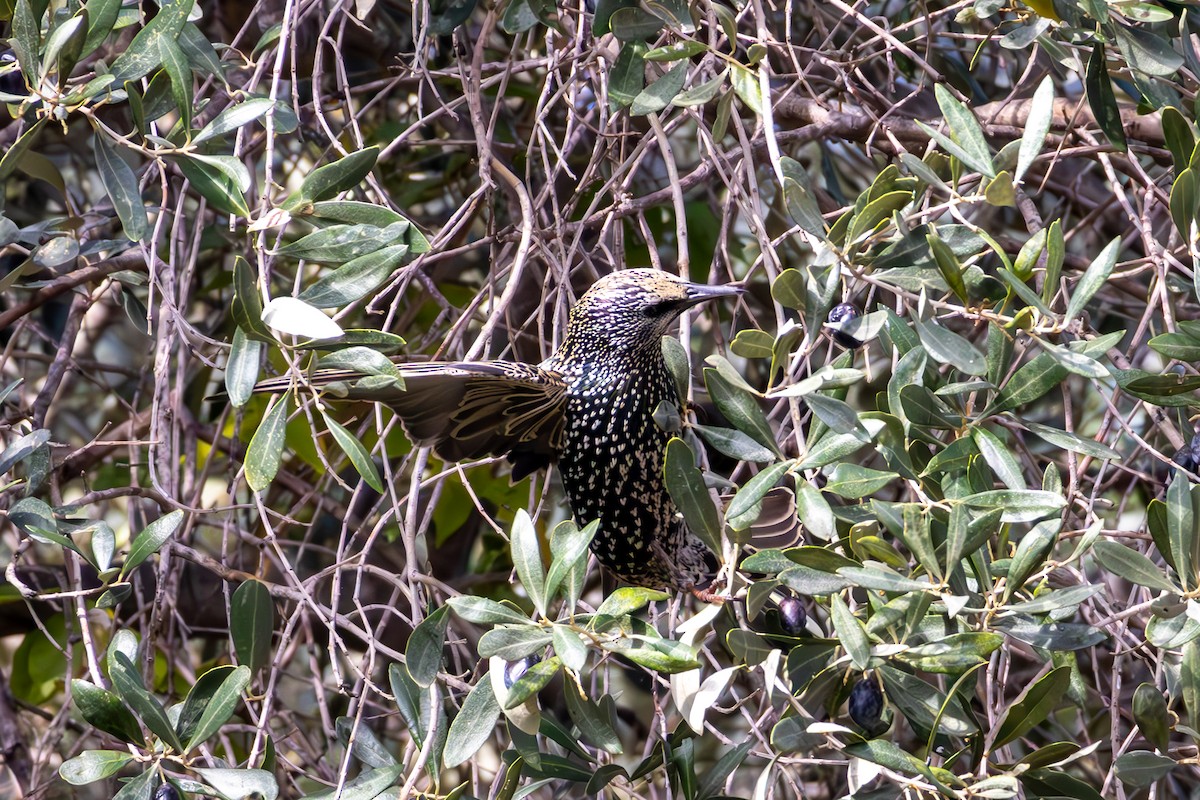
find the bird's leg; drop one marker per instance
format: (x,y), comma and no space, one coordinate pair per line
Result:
(708,596)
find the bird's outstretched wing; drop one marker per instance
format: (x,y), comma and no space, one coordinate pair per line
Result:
(467,409)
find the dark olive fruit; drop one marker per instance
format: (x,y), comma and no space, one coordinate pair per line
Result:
(166,792)
(1188,456)
(839,317)
(866,704)
(513,670)
(11,82)
(792,616)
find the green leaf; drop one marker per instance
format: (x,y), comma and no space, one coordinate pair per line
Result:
(1102,100)
(881,580)
(701,94)
(527,558)
(628,600)
(1054,600)
(1184,202)
(686,486)
(947,347)
(1181,529)
(513,642)
(789,289)
(628,75)
(812,582)
(241,784)
(746,87)
(121,184)
(1147,52)
(591,721)
(853,481)
(924,705)
(483,611)
(14,155)
(36,519)
(952,654)
(355,450)
(948,264)
(814,511)
(102,16)
(1180,137)
(1069,441)
(999,457)
(1142,768)
(850,633)
(22,448)
(355,279)
(175,64)
(1057,636)
(661,655)
(741,408)
(1031,553)
(1189,682)
(363,743)
(342,243)
(746,505)
(835,413)
(93,765)
(1030,382)
(1151,715)
(211,703)
(214,184)
(142,55)
(140,788)
(331,179)
(104,710)
(234,117)
(659,94)
(1093,279)
(242,368)
(1132,566)
(151,539)
(1017,506)
(472,726)
(1037,125)
(423,654)
(680,50)
(734,444)
(533,681)
(247,302)
(569,551)
(252,624)
(129,686)
(974,150)
(266,447)
(27,38)
(1032,707)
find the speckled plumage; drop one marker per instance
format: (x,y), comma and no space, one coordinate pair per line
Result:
(589,407)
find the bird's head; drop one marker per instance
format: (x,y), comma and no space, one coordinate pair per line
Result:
(634,308)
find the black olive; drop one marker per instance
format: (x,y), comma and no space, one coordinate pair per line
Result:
(1188,456)
(11,82)
(792,616)
(513,670)
(839,317)
(866,704)
(166,792)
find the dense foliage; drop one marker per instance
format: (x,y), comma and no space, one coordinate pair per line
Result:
(961,537)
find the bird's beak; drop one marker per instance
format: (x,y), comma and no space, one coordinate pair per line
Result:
(700,293)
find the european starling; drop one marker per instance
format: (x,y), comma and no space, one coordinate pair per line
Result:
(589,407)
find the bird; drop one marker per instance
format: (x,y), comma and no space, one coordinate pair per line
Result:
(589,408)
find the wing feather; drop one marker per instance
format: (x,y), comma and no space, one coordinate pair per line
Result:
(467,409)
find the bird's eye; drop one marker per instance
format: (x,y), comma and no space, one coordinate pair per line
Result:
(661,308)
